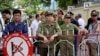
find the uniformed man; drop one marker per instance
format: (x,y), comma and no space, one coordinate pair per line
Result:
(48,31)
(60,17)
(76,40)
(67,28)
(60,21)
(42,14)
(16,25)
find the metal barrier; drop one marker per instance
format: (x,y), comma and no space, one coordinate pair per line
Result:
(82,52)
(68,43)
(85,47)
(82,43)
(42,42)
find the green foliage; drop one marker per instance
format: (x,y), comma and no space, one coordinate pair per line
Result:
(5,4)
(34,4)
(30,6)
(31,11)
(64,3)
(46,2)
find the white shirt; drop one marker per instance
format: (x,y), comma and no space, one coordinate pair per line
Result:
(34,26)
(3,23)
(81,23)
(92,30)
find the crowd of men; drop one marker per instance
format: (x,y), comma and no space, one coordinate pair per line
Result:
(53,27)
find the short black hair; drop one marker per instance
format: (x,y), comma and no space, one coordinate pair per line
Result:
(79,15)
(30,16)
(6,11)
(48,14)
(16,11)
(71,13)
(60,11)
(98,12)
(93,11)
(37,15)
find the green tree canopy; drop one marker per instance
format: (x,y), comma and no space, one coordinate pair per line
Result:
(6,4)
(64,3)
(30,6)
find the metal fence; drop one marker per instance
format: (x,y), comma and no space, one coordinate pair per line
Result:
(83,49)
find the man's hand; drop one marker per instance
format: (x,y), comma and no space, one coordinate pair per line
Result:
(3,38)
(98,27)
(45,40)
(83,31)
(51,38)
(33,37)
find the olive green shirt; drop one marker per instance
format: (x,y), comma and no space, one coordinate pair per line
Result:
(68,29)
(48,30)
(60,22)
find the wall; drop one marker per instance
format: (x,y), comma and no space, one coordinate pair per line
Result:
(86,13)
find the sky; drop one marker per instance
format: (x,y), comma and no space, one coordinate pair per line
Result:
(53,5)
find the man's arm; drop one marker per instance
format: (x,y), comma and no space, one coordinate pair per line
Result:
(33,29)
(81,32)
(40,34)
(88,23)
(58,32)
(40,31)
(25,29)
(5,31)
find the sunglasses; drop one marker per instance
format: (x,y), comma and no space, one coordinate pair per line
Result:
(94,15)
(67,17)
(59,13)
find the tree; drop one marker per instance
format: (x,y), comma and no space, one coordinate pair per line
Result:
(64,3)
(6,4)
(46,2)
(30,6)
(75,2)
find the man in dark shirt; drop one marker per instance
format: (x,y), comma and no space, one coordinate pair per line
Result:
(73,20)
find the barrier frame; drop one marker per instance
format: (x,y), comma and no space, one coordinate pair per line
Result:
(68,43)
(42,42)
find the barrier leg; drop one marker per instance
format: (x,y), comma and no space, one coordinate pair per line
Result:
(34,53)
(98,49)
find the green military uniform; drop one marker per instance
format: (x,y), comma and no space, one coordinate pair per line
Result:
(48,30)
(60,22)
(65,48)
(43,20)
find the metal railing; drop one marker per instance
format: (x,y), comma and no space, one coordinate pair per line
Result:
(82,43)
(66,46)
(42,42)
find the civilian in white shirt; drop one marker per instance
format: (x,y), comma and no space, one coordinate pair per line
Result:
(80,21)
(34,27)
(35,24)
